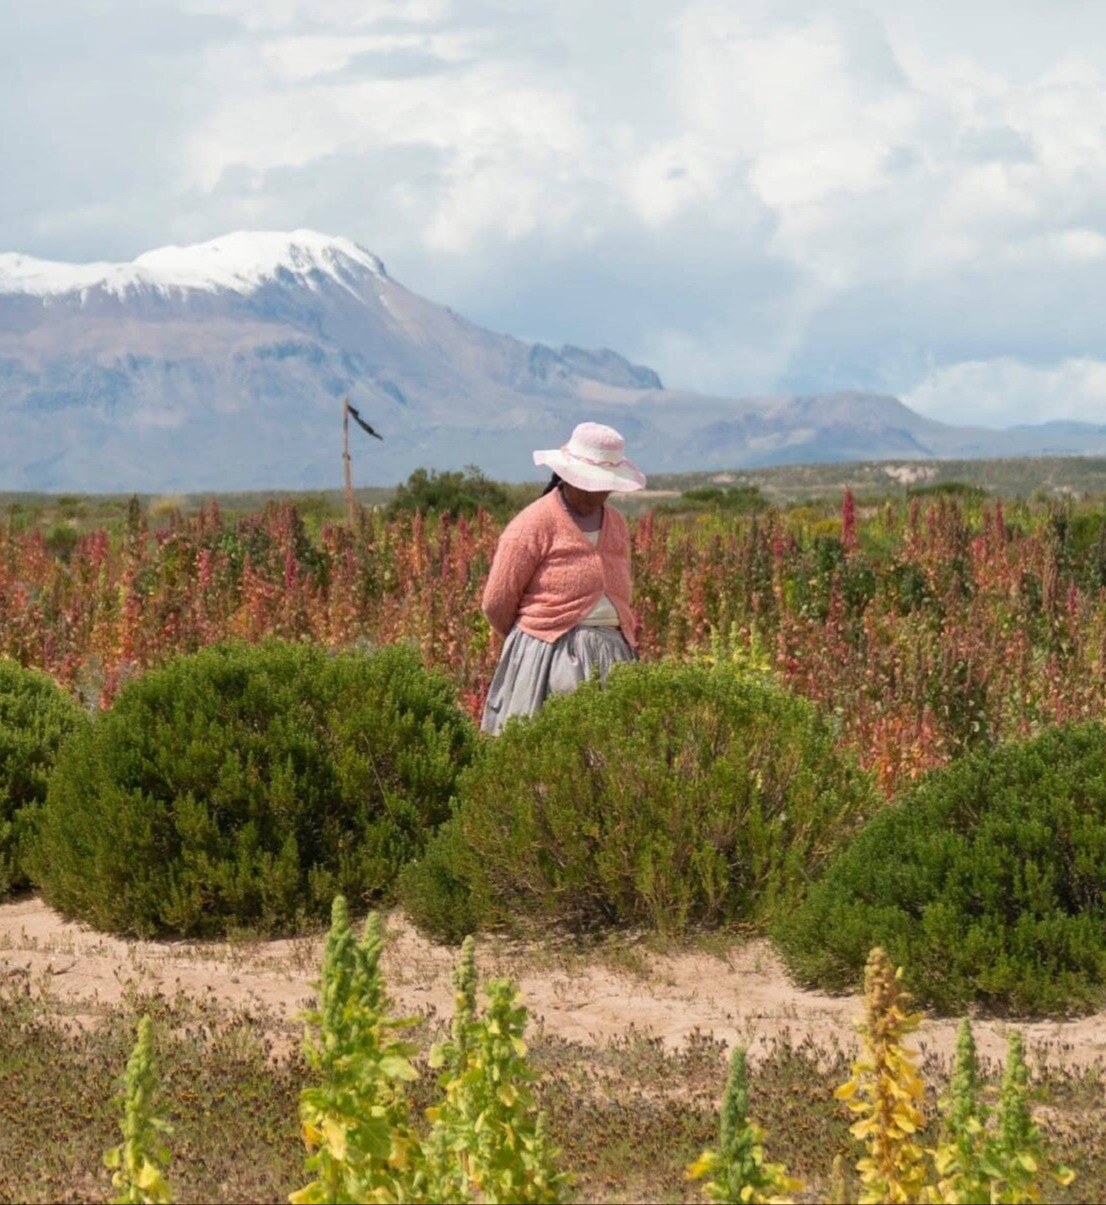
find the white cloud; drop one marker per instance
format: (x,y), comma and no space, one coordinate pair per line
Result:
(159,420)
(1004,391)
(758,196)
(671,177)
(511,150)
(294,59)
(266,15)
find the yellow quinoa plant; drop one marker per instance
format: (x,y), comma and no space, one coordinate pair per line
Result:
(1003,1164)
(886,1091)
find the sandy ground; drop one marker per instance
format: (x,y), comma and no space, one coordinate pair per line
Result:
(742,994)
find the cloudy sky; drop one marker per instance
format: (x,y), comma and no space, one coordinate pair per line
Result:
(752,198)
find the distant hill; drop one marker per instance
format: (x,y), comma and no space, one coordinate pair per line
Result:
(222,367)
(1015,477)
(822,484)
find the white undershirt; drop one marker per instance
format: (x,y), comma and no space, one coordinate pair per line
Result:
(603,614)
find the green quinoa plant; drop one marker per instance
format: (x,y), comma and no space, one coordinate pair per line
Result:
(839,1181)
(486,1143)
(488,1139)
(1004,1163)
(140,1161)
(355,1118)
(1019,1141)
(962,1161)
(446,1163)
(738,1170)
(1019,1150)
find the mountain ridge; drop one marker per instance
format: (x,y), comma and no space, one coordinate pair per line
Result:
(239,261)
(223,366)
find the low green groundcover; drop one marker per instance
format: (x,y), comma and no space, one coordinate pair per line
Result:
(675,796)
(36,716)
(244,786)
(986,882)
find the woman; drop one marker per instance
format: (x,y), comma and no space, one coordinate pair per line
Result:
(559,587)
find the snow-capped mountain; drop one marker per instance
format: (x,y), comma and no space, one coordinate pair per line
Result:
(222,366)
(237,263)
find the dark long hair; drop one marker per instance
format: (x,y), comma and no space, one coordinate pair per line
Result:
(554,481)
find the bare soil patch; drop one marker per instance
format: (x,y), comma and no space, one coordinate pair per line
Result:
(736,993)
(627,1050)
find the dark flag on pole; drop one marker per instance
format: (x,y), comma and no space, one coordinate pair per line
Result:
(347,410)
(361,422)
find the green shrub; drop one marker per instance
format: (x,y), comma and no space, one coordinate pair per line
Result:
(245,786)
(948,489)
(987,881)
(440,890)
(675,796)
(739,499)
(36,716)
(451,493)
(61,539)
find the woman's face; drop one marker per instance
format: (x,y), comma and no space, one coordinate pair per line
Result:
(585,502)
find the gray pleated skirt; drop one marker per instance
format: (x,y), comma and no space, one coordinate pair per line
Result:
(530,670)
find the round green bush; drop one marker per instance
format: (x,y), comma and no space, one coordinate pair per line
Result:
(987,882)
(246,786)
(675,796)
(36,716)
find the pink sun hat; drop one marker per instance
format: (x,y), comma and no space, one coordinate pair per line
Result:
(593,460)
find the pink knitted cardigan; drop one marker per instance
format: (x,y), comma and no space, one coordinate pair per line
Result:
(546,576)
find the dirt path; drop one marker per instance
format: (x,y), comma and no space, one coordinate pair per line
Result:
(741,995)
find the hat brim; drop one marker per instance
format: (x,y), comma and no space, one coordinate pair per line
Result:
(621,478)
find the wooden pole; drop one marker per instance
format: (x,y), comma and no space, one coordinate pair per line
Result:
(346,462)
